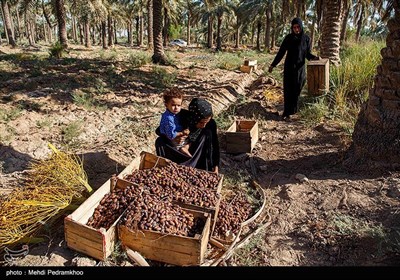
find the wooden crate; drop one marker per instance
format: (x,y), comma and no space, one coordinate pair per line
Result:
(241,136)
(149,160)
(318,76)
(248,69)
(97,243)
(248,62)
(168,248)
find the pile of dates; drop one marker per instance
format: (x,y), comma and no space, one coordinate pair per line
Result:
(179,183)
(150,213)
(112,205)
(231,215)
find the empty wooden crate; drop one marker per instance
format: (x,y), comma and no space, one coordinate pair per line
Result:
(241,136)
(318,76)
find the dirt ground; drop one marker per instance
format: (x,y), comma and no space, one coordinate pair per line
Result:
(322,214)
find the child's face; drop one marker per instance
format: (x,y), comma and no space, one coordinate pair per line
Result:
(174,105)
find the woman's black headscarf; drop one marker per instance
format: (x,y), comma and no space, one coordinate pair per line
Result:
(199,109)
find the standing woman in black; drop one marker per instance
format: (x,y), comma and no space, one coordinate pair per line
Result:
(297,47)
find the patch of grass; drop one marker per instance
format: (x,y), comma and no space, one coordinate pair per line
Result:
(118,255)
(228,61)
(57,50)
(7,137)
(313,113)
(43,123)
(138,59)
(252,253)
(86,100)
(225,119)
(11,114)
(70,134)
(162,78)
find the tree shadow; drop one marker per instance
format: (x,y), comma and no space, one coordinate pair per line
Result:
(11,160)
(99,167)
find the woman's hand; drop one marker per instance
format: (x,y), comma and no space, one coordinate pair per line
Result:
(215,169)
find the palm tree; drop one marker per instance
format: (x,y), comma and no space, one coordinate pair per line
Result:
(376,137)
(7,22)
(61,19)
(158,54)
(330,38)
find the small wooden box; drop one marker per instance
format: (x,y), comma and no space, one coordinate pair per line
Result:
(248,62)
(241,136)
(169,248)
(248,69)
(318,76)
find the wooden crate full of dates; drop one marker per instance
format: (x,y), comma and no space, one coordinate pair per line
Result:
(188,187)
(95,242)
(165,232)
(241,136)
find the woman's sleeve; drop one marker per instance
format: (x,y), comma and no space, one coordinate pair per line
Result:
(215,144)
(281,52)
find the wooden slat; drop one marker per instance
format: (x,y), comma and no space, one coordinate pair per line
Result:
(82,241)
(174,243)
(165,255)
(99,255)
(83,230)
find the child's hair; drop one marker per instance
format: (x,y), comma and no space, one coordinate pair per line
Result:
(172,93)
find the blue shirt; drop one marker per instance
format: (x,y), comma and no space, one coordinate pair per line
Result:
(170,124)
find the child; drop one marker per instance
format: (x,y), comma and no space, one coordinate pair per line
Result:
(170,125)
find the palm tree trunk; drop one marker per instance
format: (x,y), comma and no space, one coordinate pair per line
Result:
(165,29)
(87,33)
(210,32)
(130,37)
(219,43)
(137,31)
(104,34)
(62,27)
(115,32)
(188,29)
(7,22)
(141,29)
(150,35)
(158,55)
(312,31)
(237,36)
(19,25)
(376,137)
(330,38)
(267,28)
(81,30)
(360,23)
(258,35)
(110,32)
(344,23)
(74,36)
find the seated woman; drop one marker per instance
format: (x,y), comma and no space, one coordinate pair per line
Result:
(204,143)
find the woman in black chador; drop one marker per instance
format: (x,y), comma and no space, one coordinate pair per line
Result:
(298,48)
(203,138)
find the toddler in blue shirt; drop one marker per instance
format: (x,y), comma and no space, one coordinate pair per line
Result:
(170,124)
